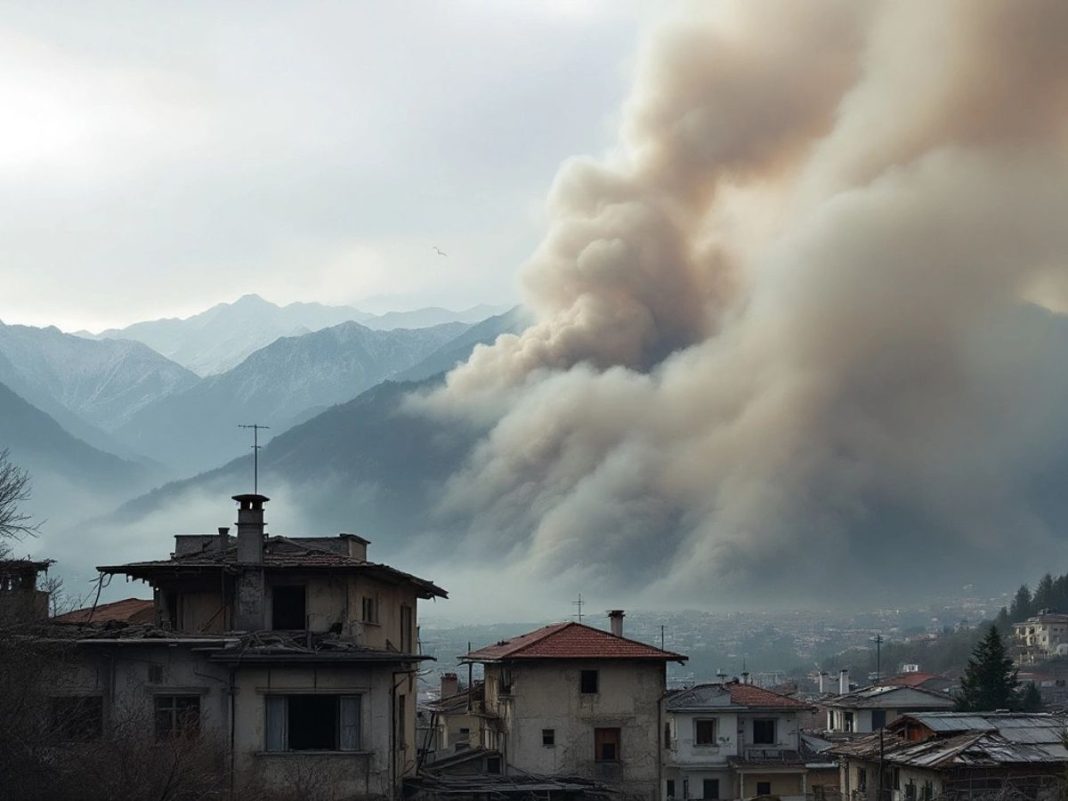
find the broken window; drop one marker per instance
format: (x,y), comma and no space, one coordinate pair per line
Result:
(370,609)
(606,745)
(313,722)
(77,718)
(704,732)
(288,608)
(177,715)
(588,682)
(548,737)
(764,732)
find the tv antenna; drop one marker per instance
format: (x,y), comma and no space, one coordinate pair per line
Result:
(578,605)
(255,454)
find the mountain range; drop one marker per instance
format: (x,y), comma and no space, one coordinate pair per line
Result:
(219,338)
(286,381)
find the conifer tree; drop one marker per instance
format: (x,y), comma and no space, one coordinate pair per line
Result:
(1030,700)
(989,682)
(1021,604)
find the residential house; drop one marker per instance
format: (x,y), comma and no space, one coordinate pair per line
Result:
(1041,637)
(571,700)
(958,756)
(869,709)
(733,740)
(21,598)
(296,655)
(457,720)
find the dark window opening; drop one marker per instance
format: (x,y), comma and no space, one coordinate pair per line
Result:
(78,718)
(763,732)
(606,745)
(910,791)
(155,674)
(705,732)
(177,716)
(287,608)
(312,723)
(667,735)
(402,717)
(670,788)
(369,611)
(862,779)
(493,765)
(407,624)
(710,788)
(588,682)
(505,681)
(763,788)
(548,737)
(847,721)
(878,719)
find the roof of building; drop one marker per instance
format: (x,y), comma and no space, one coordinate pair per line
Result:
(1044,617)
(914,679)
(571,641)
(10,566)
(279,553)
(891,697)
(459,702)
(1021,727)
(731,695)
(129,610)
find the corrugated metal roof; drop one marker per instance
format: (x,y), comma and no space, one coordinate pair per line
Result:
(1017,727)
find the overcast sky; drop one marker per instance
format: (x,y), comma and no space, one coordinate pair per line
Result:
(156,158)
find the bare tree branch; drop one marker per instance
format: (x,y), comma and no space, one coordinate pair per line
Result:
(14,490)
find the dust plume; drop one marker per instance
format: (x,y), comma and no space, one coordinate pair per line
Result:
(782,347)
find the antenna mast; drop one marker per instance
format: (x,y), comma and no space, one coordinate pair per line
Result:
(578,604)
(255,454)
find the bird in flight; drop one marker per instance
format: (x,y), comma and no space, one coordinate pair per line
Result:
(439,251)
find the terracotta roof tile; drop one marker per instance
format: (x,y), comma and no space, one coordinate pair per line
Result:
(570,641)
(128,610)
(751,695)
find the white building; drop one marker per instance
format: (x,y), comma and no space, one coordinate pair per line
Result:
(732,740)
(871,708)
(573,700)
(1040,637)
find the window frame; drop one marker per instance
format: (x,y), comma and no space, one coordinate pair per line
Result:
(605,735)
(774,723)
(172,705)
(548,738)
(348,734)
(763,784)
(704,789)
(700,743)
(584,682)
(370,603)
(289,589)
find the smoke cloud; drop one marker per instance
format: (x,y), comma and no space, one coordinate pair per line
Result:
(782,345)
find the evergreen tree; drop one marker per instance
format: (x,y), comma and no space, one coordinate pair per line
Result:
(1002,622)
(1030,700)
(989,681)
(1043,594)
(1021,605)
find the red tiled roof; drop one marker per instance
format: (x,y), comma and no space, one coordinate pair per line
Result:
(570,641)
(751,695)
(908,679)
(129,610)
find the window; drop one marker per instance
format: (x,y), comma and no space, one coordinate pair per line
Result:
(78,718)
(313,722)
(463,739)
(505,681)
(287,608)
(710,788)
(928,791)
(606,745)
(402,717)
(704,732)
(685,788)
(548,737)
(763,788)
(177,715)
(862,779)
(667,735)
(764,732)
(670,788)
(370,609)
(155,674)
(878,719)
(407,629)
(493,765)
(588,682)
(910,791)
(847,721)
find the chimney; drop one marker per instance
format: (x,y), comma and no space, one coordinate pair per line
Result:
(450,684)
(843,681)
(249,603)
(616,617)
(250,528)
(821,679)
(224,538)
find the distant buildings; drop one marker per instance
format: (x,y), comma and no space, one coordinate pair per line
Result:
(1041,637)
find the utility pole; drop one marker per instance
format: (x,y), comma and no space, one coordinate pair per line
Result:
(878,640)
(255,454)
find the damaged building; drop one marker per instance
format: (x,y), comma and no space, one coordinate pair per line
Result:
(296,654)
